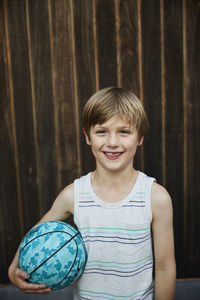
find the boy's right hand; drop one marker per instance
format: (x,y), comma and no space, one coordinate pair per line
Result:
(61,209)
(19,279)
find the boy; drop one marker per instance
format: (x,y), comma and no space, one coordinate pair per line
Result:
(125,218)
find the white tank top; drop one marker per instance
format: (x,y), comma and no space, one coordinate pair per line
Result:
(118,241)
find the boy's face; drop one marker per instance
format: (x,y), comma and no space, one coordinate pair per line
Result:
(114,143)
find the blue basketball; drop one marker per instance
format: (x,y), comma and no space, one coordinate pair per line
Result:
(53,253)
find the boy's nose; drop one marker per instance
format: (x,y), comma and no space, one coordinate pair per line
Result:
(112,140)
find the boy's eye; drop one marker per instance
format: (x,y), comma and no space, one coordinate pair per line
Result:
(125,131)
(100,131)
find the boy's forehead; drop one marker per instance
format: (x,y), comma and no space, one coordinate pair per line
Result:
(115,120)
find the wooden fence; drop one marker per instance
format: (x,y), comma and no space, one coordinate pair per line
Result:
(54,54)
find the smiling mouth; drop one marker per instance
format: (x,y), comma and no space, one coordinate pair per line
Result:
(113,155)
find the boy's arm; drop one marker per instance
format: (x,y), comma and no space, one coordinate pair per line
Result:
(163,241)
(60,210)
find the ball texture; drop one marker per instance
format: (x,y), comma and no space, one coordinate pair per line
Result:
(53,253)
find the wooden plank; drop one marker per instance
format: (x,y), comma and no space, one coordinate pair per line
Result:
(96,63)
(10,221)
(152,87)
(33,101)
(192,113)
(77,123)
(54,55)
(163,90)
(44,102)
(128,16)
(54,94)
(173,116)
(85,63)
(64,84)
(185,90)
(106,39)
(22,103)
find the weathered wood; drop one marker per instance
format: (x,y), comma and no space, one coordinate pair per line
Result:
(128,19)
(173,110)
(152,87)
(106,40)
(23,112)
(192,113)
(43,105)
(54,55)
(63,74)
(11,220)
(85,63)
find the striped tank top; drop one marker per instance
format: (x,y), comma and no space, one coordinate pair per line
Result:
(118,241)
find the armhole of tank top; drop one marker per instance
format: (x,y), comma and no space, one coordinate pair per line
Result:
(76,203)
(149,188)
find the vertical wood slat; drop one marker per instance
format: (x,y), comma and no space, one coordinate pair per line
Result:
(192,105)
(107,53)
(163,91)
(172,56)
(140,69)
(87,65)
(58,54)
(118,44)
(128,15)
(75,91)
(33,98)
(13,122)
(41,61)
(64,84)
(185,125)
(23,121)
(10,229)
(54,91)
(95,44)
(140,56)
(152,87)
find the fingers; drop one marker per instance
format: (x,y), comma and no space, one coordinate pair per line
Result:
(27,287)
(37,291)
(31,288)
(21,274)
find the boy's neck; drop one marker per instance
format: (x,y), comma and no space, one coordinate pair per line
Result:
(119,185)
(109,178)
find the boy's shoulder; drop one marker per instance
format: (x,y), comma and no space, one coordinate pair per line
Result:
(160,198)
(159,190)
(67,192)
(68,189)
(66,196)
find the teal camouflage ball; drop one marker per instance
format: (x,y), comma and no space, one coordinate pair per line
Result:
(53,253)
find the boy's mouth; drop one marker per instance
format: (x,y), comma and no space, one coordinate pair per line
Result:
(113,155)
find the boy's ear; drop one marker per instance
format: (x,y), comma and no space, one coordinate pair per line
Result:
(140,141)
(86,137)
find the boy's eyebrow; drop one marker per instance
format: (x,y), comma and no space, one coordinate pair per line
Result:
(120,127)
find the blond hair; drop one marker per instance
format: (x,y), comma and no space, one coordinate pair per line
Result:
(110,101)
